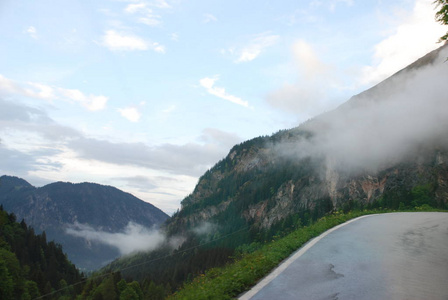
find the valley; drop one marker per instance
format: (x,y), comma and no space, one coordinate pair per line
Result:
(161,149)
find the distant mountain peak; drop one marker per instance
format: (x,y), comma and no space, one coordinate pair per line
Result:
(57,206)
(6,180)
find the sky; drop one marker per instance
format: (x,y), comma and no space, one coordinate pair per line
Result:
(147,95)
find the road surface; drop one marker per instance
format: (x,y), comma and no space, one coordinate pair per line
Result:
(386,256)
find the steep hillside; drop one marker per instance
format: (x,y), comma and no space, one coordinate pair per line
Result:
(386,147)
(29,265)
(378,146)
(60,206)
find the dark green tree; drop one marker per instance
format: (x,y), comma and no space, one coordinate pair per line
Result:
(129,294)
(442,15)
(32,289)
(6,282)
(106,290)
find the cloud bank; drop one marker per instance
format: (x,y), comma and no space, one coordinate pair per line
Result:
(134,237)
(384,125)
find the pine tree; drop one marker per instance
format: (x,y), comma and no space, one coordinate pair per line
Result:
(442,15)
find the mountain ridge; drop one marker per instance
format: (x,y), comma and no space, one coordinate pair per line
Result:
(386,148)
(58,206)
(259,153)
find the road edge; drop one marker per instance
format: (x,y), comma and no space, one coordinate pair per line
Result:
(288,261)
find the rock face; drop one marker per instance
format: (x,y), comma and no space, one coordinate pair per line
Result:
(57,206)
(382,147)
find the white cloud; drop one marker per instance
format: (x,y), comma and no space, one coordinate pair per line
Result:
(120,42)
(209,18)
(160,4)
(413,38)
(8,86)
(331,5)
(134,237)
(130,113)
(401,118)
(150,20)
(205,228)
(91,102)
(135,7)
(309,94)
(115,41)
(307,59)
(253,48)
(95,103)
(32,32)
(170,109)
(208,83)
(45,92)
(146,15)
(158,48)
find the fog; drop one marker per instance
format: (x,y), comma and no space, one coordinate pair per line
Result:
(393,121)
(390,122)
(133,238)
(204,228)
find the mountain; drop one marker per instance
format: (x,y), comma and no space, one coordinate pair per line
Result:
(74,215)
(375,149)
(385,147)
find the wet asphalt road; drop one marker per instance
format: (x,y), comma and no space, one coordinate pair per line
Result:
(388,256)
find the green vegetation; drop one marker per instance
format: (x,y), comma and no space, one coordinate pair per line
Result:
(218,265)
(403,199)
(235,235)
(229,281)
(442,15)
(112,286)
(32,268)
(29,265)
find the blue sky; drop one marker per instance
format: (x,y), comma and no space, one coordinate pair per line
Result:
(147,95)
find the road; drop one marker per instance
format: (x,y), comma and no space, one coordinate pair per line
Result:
(386,256)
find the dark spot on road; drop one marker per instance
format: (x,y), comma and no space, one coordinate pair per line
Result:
(333,274)
(332,297)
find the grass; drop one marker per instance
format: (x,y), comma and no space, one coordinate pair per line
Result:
(231,280)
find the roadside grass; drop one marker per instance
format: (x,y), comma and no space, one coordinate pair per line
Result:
(233,279)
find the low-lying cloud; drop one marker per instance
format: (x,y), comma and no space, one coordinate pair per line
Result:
(133,238)
(383,125)
(204,228)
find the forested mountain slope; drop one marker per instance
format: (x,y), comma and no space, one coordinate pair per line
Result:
(29,265)
(386,147)
(374,149)
(60,206)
